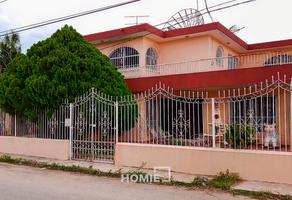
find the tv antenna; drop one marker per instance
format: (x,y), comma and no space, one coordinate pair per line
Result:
(235,28)
(194,16)
(136,17)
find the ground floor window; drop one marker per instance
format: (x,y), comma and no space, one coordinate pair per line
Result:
(178,118)
(254,111)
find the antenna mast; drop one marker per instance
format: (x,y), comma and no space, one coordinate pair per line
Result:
(136,17)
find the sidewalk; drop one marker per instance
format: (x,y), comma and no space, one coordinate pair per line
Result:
(105,167)
(275,188)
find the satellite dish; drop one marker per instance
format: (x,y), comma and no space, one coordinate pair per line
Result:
(184,18)
(193,17)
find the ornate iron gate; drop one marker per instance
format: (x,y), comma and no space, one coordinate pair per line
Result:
(93,127)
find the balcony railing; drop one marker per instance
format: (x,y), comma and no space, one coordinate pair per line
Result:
(210,64)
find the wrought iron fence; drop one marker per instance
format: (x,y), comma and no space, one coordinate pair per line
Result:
(47,126)
(258,117)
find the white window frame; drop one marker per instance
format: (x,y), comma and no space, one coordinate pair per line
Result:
(151,57)
(125,57)
(219,56)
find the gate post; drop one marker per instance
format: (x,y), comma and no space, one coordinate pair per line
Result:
(291,114)
(71,130)
(117,121)
(213,124)
(15,125)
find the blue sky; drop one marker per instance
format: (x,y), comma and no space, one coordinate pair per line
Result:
(265,20)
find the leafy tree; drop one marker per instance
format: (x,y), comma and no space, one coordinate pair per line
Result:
(9,48)
(62,66)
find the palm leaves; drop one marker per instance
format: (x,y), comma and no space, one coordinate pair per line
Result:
(9,48)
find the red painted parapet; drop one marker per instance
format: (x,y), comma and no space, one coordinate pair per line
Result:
(211,80)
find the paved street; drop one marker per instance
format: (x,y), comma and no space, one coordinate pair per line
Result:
(25,183)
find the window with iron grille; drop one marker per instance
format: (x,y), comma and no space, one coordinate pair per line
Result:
(278,60)
(175,117)
(233,62)
(125,57)
(219,56)
(151,57)
(256,111)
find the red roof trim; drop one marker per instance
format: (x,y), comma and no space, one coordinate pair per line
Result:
(232,36)
(124,31)
(185,31)
(211,80)
(205,28)
(266,45)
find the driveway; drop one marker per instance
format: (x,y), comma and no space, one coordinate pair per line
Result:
(25,183)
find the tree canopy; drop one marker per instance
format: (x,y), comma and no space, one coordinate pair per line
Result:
(62,66)
(9,48)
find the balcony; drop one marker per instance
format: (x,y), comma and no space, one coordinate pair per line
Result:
(209,65)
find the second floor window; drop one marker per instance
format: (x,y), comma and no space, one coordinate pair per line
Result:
(233,62)
(219,56)
(151,57)
(125,57)
(279,60)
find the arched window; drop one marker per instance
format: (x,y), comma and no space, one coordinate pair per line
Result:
(219,56)
(125,57)
(279,60)
(151,57)
(233,62)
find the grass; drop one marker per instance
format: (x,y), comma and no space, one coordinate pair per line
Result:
(55,166)
(222,182)
(261,195)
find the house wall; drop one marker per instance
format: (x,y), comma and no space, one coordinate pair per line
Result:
(250,165)
(55,149)
(189,54)
(190,49)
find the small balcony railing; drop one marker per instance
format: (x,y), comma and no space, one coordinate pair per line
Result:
(210,64)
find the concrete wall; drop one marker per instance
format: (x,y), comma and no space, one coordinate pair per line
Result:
(55,149)
(190,49)
(251,165)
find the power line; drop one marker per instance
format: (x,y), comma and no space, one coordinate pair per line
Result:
(206,12)
(60,19)
(3,1)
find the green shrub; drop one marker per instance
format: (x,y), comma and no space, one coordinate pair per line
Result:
(240,136)
(64,66)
